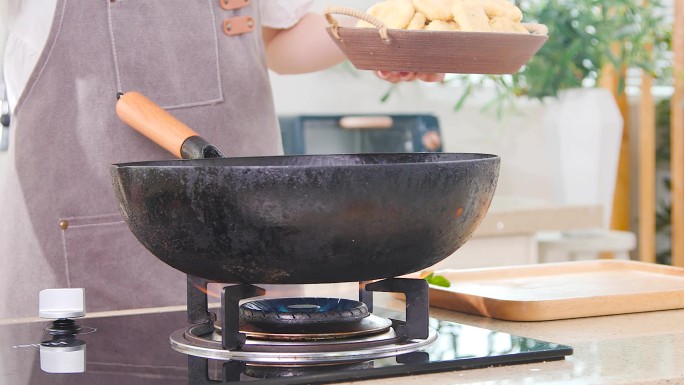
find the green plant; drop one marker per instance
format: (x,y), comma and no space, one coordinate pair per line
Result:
(664,208)
(662,133)
(664,228)
(587,35)
(584,37)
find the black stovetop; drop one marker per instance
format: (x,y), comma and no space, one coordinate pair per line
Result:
(135,349)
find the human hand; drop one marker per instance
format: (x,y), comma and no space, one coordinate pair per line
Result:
(396,76)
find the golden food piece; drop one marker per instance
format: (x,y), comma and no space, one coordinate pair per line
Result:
(449,15)
(514,13)
(418,21)
(501,8)
(470,16)
(441,25)
(435,9)
(506,25)
(493,8)
(395,14)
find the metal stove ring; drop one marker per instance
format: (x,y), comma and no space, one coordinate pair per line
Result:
(204,336)
(289,352)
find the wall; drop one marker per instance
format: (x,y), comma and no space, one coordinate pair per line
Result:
(517,136)
(562,151)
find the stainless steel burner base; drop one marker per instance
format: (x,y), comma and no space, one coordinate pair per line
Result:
(189,341)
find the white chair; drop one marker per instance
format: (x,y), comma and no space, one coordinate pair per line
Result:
(584,244)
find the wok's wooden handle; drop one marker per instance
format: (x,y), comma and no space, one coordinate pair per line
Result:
(139,112)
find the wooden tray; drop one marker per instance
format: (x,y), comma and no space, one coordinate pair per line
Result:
(433,51)
(562,290)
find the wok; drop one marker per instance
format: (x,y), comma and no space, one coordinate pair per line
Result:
(296,219)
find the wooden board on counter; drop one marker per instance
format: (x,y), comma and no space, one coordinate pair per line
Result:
(564,290)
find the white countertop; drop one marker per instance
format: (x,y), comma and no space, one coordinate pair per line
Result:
(642,348)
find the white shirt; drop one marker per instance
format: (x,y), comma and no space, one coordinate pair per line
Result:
(28,22)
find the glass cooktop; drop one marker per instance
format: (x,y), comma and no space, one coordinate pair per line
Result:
(135,350)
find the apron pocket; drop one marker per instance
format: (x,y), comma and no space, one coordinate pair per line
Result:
(105,258)
(168,53)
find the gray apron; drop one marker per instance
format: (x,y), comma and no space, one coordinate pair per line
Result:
(59,221)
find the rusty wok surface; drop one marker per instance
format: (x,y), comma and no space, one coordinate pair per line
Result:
(306,219)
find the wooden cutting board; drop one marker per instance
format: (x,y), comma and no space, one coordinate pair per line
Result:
(561,290)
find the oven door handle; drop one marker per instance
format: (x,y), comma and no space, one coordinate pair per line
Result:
(366,122)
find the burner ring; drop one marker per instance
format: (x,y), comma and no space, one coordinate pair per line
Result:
(196,341)
(303,311)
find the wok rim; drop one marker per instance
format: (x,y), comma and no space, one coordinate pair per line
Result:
(184,163)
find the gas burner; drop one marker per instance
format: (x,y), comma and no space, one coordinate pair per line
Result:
(390,348)
(200,340)
(312,332)
(284,312)
(296,331)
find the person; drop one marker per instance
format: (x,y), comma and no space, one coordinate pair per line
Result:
(206,61)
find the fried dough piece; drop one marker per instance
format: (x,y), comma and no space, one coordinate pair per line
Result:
(441,25)
(504,24)
(514,13)
(493,8)
(395,14)
(470,16)
(448,15)
(418,21)
(501,8)
(435,9)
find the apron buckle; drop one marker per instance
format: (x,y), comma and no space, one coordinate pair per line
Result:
(238,25)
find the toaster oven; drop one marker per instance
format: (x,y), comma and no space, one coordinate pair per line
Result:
(349,134)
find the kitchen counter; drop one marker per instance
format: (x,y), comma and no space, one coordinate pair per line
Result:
(641,348)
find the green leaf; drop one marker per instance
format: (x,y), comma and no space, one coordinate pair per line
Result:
(621,85)
(464,96)
(388,93)
(437,280)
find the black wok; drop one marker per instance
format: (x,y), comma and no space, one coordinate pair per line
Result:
(297,219)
